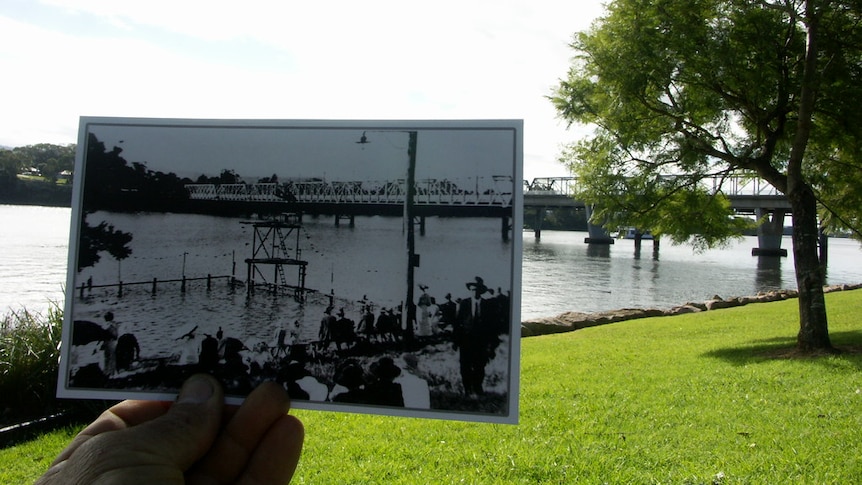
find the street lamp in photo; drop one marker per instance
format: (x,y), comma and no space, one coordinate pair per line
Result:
(409,312)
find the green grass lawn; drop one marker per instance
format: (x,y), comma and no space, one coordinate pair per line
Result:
(714,397)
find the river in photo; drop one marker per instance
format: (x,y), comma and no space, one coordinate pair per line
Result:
(560,272)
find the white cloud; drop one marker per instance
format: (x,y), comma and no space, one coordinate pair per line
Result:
(277,59)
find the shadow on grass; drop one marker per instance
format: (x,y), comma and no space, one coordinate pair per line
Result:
(848,344)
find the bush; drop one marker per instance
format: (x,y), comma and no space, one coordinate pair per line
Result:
(29,357)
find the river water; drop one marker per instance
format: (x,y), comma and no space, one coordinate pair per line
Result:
(560,272)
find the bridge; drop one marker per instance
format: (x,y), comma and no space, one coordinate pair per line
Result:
(473,197)
(747,195)
(490,196)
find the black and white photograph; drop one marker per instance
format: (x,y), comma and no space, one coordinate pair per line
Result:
(366,266)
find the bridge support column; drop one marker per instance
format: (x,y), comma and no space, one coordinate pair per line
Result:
(769,233)
(338,218)
(824,248)
(504,228)
(596,234)
(537,222)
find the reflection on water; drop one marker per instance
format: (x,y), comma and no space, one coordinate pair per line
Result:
(599,250)
(768,275)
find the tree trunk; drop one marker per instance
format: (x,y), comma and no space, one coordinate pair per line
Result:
(813,327)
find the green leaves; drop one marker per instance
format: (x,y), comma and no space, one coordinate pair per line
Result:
(698,87)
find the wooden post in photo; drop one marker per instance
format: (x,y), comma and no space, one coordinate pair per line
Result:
(410,310)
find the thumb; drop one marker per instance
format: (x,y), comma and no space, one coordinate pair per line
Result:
(185,433)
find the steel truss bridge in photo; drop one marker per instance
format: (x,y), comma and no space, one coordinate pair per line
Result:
(473,197)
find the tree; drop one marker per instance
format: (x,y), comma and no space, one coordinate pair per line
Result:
(112,183)
(683,90)
(49,159)
(99,238)
(9,165)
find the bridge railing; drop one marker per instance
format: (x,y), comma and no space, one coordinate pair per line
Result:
(483,191)
(739,185)
(493,191)
(730,185)
(566,186)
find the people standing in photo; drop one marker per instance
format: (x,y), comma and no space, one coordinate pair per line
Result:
(475,337)
(326,325)
(448,311)
(423,315)
(366,322)
(109,346)
(279,347)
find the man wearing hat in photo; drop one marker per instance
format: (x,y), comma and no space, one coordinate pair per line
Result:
(326,325)
(473,337)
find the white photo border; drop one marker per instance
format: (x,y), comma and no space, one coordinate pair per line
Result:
(65,390)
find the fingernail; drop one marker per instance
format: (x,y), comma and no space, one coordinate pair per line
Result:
(196,390)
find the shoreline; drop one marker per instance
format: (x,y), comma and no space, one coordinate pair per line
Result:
(571,321)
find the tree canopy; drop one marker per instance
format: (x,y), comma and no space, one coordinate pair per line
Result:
(102,237)
(682,91)
(112,183)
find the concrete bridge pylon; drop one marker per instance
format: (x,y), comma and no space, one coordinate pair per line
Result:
(596,234)
(769,232)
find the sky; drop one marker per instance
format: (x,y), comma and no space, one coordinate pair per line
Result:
(274,59)
(458,152)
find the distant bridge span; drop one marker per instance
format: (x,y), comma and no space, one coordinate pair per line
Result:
(474,197)
(746,194)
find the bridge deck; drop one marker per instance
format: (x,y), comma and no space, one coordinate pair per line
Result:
(488,196)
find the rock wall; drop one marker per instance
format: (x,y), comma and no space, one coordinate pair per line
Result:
(570,321)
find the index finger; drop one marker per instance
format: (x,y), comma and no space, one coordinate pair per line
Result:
(120,416)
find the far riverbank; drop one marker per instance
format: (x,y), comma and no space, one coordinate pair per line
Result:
(37,193)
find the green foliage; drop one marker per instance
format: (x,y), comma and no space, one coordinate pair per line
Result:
(29,353)
(703,88)
(49,159)
(686,91)
(9,164)
(713,397)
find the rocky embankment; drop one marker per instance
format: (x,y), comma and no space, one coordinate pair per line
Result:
(570,321)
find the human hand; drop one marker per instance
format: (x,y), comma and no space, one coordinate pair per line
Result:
(195,440)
